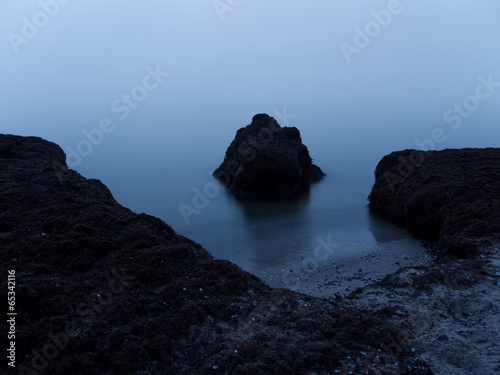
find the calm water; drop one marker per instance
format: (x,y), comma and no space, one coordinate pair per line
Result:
(258,236)
(171,82)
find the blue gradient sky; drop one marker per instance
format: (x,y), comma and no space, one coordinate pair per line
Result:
(261,55)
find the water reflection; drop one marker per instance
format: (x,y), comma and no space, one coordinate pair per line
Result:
(276,232)
(268,236)
(383,231)
(254,209)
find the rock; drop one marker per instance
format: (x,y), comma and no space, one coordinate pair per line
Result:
(267,161)
(139,298)
(450,196)
(24,148)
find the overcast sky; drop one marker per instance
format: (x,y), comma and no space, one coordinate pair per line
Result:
(62,76)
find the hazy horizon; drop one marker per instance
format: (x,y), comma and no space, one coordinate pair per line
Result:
(171,273)
(246,59)
(150,95)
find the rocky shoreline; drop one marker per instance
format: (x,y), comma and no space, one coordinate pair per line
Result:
(450,197)
(452,308)
(102,290)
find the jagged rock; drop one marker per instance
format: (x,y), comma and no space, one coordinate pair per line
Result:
(18,147)
(449,196)
(122,293)
(267,161)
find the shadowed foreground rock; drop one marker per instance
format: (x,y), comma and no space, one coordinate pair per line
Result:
(449,309)
(450,196)
(267,161)
(102,290)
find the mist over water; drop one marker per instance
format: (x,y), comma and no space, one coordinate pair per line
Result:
(166,134)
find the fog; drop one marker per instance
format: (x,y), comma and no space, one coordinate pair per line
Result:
(146,96)
(229,63)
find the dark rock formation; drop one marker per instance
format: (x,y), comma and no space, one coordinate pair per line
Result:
(450,196)
(122,293)
(16,147)
(267,161)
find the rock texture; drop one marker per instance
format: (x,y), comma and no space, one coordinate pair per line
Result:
(115,292)
(449,312)
(267,161)
(450,196)
(24,148)
(102,290)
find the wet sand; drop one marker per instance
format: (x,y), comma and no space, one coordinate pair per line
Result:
(345,274)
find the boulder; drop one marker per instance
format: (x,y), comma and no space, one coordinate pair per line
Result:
(25,148)
(267,161)
(103,290)
(449,196)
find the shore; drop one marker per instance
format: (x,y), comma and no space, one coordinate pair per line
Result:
(102,290)
(341,276)
(451,309)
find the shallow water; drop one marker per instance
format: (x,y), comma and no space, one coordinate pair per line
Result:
(282,58)
(157,175)
(260,236)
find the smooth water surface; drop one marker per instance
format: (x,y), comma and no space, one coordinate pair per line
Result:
(147,97)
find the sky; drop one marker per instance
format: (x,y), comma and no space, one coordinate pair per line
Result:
(374,71)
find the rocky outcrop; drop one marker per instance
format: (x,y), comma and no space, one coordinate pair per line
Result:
(24,148)
(267,161)
(102,290)
(450,196)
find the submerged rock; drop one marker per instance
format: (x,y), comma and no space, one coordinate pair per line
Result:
(267,161)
